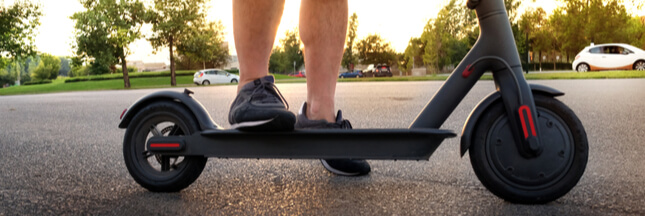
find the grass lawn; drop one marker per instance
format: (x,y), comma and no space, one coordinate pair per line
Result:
(59,85)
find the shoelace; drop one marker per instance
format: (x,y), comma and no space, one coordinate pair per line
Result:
(344,124)
(270,87)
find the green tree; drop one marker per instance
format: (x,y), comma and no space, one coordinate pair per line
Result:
(512,8)
(19,70)
(349,56)
(532,23)
(29,65)
(203,44)
(78,69)
(104,31)
(171,19)
(373,50)
(290,51)
(636,31)
(540,33)
(47,69)
(581,22)
(291,45)
(412,55)
(278,62)
(604,19)
(64,66)
(17,25)
(448,38)
(10,73)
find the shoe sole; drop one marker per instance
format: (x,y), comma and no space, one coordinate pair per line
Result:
(284,123)
(336,171)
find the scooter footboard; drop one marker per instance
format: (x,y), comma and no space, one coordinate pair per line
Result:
(400,144)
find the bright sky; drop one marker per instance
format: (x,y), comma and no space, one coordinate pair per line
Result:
(396,21)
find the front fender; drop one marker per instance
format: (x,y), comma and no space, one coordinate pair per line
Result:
(196,108)
(480,109)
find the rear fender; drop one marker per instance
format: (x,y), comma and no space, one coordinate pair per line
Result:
(480,109)
(197,109)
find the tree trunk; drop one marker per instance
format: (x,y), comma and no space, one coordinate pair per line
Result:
(173,81)
(540,60)
(553,59)
(126,77)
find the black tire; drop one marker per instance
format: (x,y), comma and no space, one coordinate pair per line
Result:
(234,81)
(549,176)
(169,119)
(639,65)
(583,67)
(206,82)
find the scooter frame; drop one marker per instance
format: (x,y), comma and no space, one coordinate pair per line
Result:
(495,51)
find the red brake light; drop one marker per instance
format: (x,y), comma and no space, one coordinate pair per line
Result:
(577,57)
(201,75)
(123,113)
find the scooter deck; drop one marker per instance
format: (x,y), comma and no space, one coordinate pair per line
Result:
(403,144)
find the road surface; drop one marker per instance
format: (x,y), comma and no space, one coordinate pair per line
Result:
(61,154)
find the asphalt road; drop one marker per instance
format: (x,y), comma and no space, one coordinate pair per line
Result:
(62,154)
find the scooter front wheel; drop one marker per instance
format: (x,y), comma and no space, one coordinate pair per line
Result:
(553,173)
(157,172)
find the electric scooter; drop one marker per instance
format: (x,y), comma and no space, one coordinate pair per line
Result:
(525,146)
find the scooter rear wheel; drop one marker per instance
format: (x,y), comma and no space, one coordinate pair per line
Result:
(157,172)
(502,170)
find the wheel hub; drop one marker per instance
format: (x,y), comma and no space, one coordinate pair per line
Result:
(536,172)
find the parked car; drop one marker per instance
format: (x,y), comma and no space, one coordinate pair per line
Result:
(213,76)
(355,74)
(380,70)
(298,74)
(609,57)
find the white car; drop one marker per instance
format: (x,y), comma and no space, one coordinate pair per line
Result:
(609,57)
(212,76)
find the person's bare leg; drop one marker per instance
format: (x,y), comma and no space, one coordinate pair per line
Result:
(255,24)
(323,27)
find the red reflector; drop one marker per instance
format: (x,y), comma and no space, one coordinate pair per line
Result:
(469,69)
(525,108)
(123,113)
(164,145)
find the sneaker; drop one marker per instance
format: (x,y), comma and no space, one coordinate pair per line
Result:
(345,167)
(259,106)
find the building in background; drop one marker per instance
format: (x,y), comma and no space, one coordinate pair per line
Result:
(148,67)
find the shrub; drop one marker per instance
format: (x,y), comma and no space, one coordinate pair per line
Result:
(37,82)
(47,69)
(132,69)
(79,71)
(76,79)
(97,68)
(233,70)
(120,76)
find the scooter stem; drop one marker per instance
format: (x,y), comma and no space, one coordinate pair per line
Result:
(497,45)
